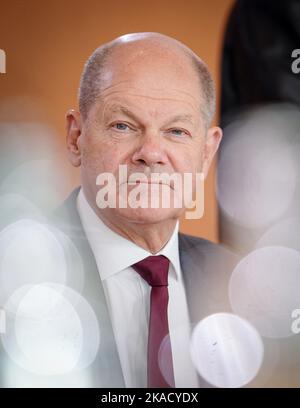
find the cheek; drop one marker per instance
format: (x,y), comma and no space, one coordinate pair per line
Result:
(101,156)
(198,157)
(189,161)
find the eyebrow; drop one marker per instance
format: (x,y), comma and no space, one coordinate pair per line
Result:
(182,118)
(177,118)
(120,108)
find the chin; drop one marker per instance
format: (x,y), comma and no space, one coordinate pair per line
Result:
(148,215)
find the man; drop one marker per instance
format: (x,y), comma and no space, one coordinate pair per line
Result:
(146,102)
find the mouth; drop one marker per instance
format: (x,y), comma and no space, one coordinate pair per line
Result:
(134,183)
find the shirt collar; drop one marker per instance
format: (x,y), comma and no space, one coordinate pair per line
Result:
(113,252)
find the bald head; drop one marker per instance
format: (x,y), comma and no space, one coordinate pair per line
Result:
(143,49)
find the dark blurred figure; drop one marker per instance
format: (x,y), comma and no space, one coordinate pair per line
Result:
(258,175)
(257,76)
(256,62)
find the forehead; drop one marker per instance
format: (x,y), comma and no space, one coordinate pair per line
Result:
(143,109)
(158,73)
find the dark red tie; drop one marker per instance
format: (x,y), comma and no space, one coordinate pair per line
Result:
(154,269)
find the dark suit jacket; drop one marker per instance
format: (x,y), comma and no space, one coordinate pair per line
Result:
(205,266)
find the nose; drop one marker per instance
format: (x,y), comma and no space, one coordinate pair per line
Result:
(150,151)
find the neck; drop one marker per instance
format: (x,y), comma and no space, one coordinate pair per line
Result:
(151,237)
(148,235)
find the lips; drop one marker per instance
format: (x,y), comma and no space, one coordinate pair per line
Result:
(134,183)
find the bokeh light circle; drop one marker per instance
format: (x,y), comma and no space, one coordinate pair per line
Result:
(227,351)
(51,330)
(264,289)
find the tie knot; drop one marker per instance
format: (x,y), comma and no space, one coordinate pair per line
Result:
(154,269)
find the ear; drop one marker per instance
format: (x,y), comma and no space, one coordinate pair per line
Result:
(74,129)
(211,144)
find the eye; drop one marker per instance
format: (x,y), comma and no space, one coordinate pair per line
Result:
(121,126)
(179,132)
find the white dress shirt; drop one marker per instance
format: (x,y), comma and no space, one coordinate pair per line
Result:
(128,299)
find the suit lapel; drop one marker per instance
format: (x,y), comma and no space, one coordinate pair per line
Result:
(106,370)
(203,265)
(206,269)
